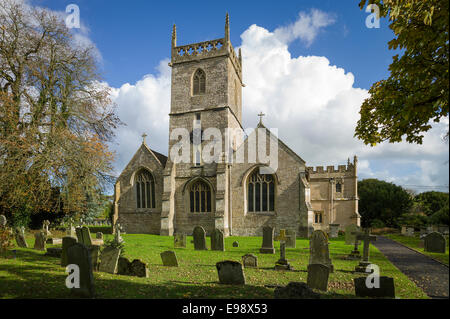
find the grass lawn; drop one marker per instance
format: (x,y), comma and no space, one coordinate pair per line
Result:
(33,275)
(417,244)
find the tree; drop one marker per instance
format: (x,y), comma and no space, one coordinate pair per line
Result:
(55,115)
(416,92)
(382,201)
(431,202)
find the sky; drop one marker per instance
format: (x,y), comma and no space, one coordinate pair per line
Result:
(308,65)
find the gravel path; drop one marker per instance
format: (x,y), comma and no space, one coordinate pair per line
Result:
(427,273)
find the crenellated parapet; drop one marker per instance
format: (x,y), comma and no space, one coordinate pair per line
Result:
(349,168)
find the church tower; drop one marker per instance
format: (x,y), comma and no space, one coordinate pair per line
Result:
(206,92)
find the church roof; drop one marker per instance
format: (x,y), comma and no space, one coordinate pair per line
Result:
(160,157)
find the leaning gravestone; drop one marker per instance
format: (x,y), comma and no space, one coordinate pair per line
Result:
(169,258)
(79,255)
(434,242)
(217,240)
(318,249)
(109,259)
(67,242)
(250,261)
(267,245)
(199,238)
(318,276)
(350,234)
(230,272)
(20,237)
(84,236)
(39,240)
(385,290)
(179,241)
(138,268)
(291,238)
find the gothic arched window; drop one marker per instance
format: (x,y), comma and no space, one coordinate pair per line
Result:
(261,192)
(145,190)
(338,187)
(199,82)
(200,197)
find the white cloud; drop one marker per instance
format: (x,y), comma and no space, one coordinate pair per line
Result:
(312,103)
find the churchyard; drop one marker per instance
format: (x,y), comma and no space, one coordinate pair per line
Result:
(29,273)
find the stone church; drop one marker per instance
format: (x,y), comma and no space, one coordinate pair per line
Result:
(158,195)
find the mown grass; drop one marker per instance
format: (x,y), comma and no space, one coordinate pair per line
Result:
(33,275)
(417,244)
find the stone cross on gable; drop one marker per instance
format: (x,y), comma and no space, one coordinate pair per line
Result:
(143,138)
(367,238)
(261,114)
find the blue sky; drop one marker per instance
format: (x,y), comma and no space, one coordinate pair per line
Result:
(337,65)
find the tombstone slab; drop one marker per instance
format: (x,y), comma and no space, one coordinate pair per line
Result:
(217,240)
(123,266)
(179,241)
(169,258)
(435,242)
(79,255)
(109,259)
(250,261)
(199,238)
(386,289)
(67,242)
(267,244)
(318,276)
(20,237)
(230,272)
(319,252)
(291,238)
(39,240)
(84,235)
(138,268)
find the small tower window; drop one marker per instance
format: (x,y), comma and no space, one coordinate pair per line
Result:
(338,187)
(318,218)
(199,82)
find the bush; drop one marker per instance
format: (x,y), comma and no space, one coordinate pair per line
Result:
(113,244)
(377,223)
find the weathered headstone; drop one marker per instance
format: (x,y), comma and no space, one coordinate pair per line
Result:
(67,242)
(334,230)
(267,244)
(217,240)
(138,268)
(282,263)
(291,238)
(99,235)
(235,244)
(20,237)
(179,241)
(45,226)
(199,238)
(295,290)
(169,258)
(84,235)
(367,238)
(435,242)
(409,231)
(350,234)
(250,261)
(385,290)
(79,255)
(318,276)
(318,249)
(39,240)
(123,266)
(230,272)
(109,259)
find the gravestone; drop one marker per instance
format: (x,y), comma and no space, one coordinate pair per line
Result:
(67,242)
(117,233)
(123,266)
(350,234)
(54,252)
(385,290)
(20,237)
(84,235)
(318,276)
(217,240)
(291,238)
(334,230)
(99,235)
(409,231)
(282,263)
(39,240)
(355,255)
(71,231)
(54,241)
(109,259)
(267,244)
(199,238)
(138,268)
(235,244)
(435,242)
(79,255)
(230,272)
(318,249)
(250,261)
(295,290)
(179,241)
(169,258)
(45,226)
(367,238)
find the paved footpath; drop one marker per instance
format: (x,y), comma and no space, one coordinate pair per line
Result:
(427,273)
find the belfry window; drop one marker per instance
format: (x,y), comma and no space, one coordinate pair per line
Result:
(200,198)
(261,192)
(145,190)
(338,187)
(199,82)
